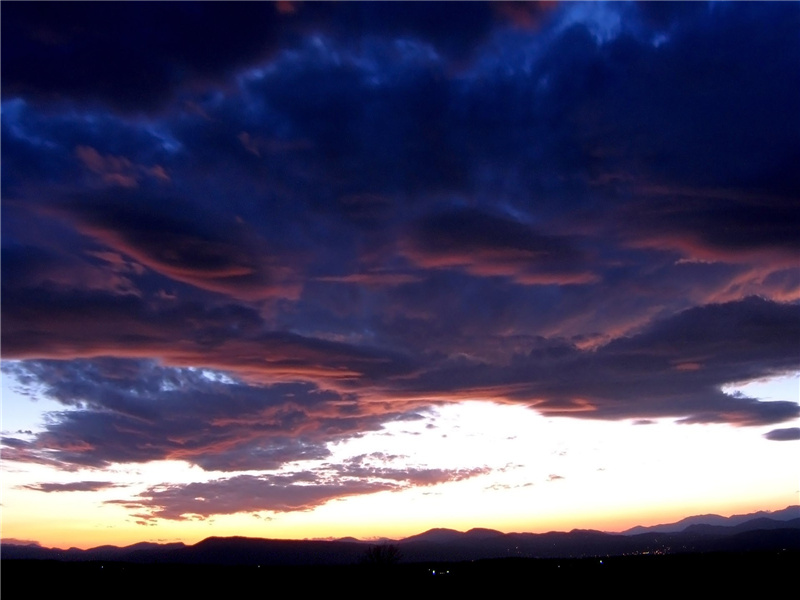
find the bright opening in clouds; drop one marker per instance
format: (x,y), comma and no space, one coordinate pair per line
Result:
(329,269)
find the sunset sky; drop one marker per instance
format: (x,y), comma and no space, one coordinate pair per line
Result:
(318,270)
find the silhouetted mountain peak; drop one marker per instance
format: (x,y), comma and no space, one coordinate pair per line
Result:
(227,541)
(740,534)
(437,534)
(482,533)
(786,514)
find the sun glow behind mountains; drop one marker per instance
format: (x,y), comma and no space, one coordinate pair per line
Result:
(541,474)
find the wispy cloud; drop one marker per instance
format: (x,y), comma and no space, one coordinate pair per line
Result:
(76,486)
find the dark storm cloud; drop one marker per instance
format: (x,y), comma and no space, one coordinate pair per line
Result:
(50,322)
(717,225)
(454,30)
(674,368)
(136,57)
(34,267)
(166,234)
(487,245)
(337,214)
(128,55)
(375,121)
(700,107)
(137,411)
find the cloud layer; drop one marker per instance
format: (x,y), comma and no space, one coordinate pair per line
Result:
(234,235)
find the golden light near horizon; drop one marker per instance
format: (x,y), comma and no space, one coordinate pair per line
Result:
(542,474)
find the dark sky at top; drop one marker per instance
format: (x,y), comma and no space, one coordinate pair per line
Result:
(233,233)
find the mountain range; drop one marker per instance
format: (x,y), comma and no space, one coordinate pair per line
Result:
(761,531)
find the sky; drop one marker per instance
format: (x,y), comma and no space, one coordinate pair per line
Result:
(315,270)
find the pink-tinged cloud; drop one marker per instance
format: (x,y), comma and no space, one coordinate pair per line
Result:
(249,144)
(245,413)
(260,147)
(486,245)
(118,170)
(525,15)
(373,278)
(46,269)
(76,486)
(282,493)
(286,7)
(636,376)
(223,257)
(714,224)
(229,338)
(246,493)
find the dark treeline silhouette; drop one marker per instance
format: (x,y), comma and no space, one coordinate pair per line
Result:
(382,555)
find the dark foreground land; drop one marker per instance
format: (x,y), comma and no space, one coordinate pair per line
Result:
(624,576)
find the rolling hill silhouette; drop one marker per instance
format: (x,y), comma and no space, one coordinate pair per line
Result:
(707,533)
